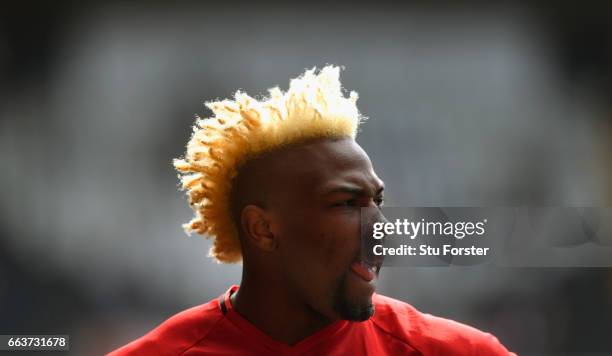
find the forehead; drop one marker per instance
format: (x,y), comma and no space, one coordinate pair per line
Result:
(316,166)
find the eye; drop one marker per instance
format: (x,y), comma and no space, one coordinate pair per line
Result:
(347,203)
(380,201)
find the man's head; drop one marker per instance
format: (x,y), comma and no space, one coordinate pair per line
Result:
(299,212)
(280,183)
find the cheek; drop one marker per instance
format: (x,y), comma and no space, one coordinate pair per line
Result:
(340,242)
(317,253)
(326,243)
(337,239)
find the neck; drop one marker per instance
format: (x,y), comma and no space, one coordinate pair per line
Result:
(276,312)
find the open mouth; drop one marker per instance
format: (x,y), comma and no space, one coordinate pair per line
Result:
(365,270)
(368,257)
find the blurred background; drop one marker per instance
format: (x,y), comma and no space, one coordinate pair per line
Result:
(470,104)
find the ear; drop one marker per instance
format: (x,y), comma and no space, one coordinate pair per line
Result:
(256,226)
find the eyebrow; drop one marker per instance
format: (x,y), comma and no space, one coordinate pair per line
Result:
(352,189)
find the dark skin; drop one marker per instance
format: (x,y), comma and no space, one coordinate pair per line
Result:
(299,213)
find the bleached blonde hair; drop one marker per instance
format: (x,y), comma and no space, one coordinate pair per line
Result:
(313,107)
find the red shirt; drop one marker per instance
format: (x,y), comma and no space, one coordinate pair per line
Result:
(396,328)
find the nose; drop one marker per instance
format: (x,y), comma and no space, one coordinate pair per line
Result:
(381,218)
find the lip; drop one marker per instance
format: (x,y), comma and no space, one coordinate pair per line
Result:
(371,262)
(365,271)
(367,255)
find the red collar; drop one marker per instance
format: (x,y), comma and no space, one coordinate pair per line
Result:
(257,335)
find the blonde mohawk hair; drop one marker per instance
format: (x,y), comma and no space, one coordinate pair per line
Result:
(241,129)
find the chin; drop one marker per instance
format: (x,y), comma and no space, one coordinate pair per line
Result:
(353,299)
(355,312)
